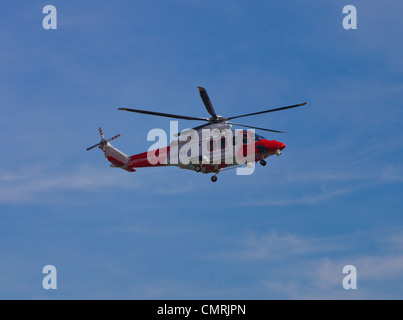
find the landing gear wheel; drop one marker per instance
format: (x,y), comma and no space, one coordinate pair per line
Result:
(198,169)
(214,178)
(263,163)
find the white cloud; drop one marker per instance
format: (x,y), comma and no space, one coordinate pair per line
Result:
(308,199)
(23,187)
(299,267)
(325,277)
(392,174)
(275,246)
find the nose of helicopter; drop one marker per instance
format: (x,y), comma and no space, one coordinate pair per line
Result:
(270,146)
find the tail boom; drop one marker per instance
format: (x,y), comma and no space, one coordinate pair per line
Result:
(117,158)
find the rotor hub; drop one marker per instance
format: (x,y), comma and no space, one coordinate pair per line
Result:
(218,119)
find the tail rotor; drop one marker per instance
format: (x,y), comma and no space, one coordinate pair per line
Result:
(101,133)
(103,140)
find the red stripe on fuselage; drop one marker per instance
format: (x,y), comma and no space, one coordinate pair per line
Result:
(154,158)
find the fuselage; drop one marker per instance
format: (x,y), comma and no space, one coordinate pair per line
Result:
(208,150)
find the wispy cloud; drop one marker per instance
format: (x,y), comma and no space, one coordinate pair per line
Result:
(319,186)
(322,279)
(316,276)
(307,199)
(275,246)
(392,174)
(26,186)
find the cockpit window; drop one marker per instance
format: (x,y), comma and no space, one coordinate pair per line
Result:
(246,138)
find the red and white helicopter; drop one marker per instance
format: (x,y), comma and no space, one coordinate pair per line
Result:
(221,148)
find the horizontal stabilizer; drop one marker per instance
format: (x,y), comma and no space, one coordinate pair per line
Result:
(117,163)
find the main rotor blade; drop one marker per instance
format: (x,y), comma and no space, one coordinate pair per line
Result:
(242,125)
(90,148)
(207,102)
(267,111)
(167,115)
(189,130)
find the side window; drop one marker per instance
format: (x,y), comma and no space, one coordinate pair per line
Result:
(212,145)
(223,143)
(246,139)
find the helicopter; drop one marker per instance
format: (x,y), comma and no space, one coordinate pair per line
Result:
(209,148)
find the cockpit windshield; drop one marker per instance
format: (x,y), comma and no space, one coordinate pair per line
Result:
(246,137)
(258,137)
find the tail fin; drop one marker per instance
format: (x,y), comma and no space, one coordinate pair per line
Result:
(114,156)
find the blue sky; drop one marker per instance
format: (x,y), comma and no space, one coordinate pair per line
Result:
(332,199)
